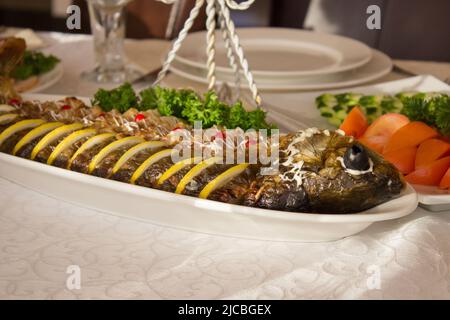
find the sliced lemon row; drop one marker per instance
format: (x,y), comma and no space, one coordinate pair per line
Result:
(149,145)
(19,126)
(69,141)
(36,132)
(6,108)
(91,142)
(53,136)
(195,171)
(177,167)
(6,118)
(222,180)
(110,148)
(150,161)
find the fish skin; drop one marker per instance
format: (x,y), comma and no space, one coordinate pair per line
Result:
(326,186)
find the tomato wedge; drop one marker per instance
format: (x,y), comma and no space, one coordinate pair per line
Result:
(431,174)
(376,143)
(386,125)
(403,159)
(380,131)
(410,135)
(431,150)
(445,182)
(355,124)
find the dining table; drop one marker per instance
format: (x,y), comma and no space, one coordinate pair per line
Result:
(42,238)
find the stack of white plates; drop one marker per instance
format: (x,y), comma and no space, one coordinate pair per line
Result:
(287,59)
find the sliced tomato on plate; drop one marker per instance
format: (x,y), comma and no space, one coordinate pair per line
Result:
(387,125)
(403,159)
(430,174)
(410,135)
(379,132)
(355,124)
(445,182)
(375,143)
(431,150)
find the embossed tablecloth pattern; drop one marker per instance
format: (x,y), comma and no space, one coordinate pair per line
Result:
(120,258)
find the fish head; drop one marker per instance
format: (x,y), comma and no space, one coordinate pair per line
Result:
(329,172)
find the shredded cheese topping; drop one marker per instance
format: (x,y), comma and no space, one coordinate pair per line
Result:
(296,173)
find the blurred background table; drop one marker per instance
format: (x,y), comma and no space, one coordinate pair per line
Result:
(121,258)
(77,55)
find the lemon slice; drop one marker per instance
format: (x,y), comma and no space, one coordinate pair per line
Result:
(110,148)
(6,108)
(135,150)
(69,141)
(147,163)
(6,118)
(195,171)
(53,136)
(222,179)
(177,167)
(36,132)
(19,126)
(91,142)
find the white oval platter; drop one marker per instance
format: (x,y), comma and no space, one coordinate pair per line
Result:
(179,211)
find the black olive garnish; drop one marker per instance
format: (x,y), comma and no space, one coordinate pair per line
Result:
(356,158)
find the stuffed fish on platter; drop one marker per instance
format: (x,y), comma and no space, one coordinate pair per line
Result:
(319,171)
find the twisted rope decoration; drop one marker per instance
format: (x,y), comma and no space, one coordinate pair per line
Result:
(239,51)
(211,40)
(177,44)
(239,6)
(230,53)
(229,34)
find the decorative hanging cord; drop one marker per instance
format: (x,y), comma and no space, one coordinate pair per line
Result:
(238,49)
(177,44)
(230,53)
(210,42)
(229,26)
(239,6)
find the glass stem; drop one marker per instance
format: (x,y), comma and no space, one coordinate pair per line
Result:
(113,54)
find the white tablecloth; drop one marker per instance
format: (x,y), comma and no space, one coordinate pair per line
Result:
(41,237)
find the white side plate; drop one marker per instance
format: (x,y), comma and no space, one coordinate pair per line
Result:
(433,198)
(297,52)
(377,67)
(48,79)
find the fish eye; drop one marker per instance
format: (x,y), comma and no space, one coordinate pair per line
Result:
(356,158)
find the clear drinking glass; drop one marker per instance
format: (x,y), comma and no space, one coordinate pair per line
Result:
(108,29)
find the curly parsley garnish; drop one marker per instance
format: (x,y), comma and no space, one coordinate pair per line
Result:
(431,109)
(121,98)
(184,104)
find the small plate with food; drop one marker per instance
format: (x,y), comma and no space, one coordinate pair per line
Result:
(23,70)
(405,121)
(37,72)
